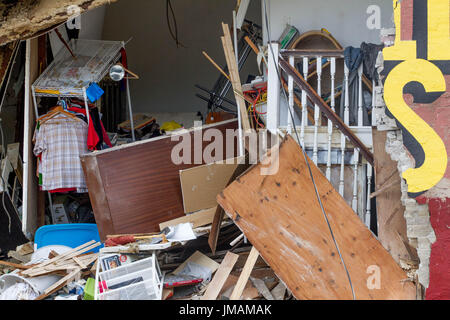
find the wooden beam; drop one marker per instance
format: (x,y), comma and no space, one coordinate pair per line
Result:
(220,277)
(329,113)
(234,76)
(245,274)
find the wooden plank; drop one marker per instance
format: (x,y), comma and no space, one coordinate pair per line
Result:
(245,274)
(325,108)
(250,292)
(220,277)
(234,75)
(201,259)
(65,255)
(390,210)
(282,218)
(59,284)
(201,185)
(135,187)
(198,219)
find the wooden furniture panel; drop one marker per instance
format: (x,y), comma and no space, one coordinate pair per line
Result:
(135,187)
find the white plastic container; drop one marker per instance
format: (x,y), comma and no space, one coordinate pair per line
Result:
(139,280)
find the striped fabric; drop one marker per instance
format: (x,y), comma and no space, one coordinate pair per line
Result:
(60,141)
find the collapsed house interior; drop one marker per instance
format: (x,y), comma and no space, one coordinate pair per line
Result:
(123,221)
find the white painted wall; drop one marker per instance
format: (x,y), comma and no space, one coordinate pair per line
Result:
(345,19)
(92,23)
(167,73)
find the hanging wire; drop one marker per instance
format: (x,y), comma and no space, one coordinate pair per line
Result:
(173,33)
(305,156)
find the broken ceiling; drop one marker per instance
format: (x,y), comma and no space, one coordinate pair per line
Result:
(24,19)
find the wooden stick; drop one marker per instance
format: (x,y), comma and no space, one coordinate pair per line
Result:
(234,76)
(245,274)
(15,265)
(65,43)
(253,46)
(216,65)
(58,285)
(383,189)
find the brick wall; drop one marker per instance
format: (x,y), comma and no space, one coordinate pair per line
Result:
(427,216)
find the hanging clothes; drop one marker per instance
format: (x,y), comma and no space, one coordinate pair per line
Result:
(370,53)
(353,57)
(60,142)
(97,135)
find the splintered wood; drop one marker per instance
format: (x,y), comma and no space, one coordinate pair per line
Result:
(282,218)
(74,259)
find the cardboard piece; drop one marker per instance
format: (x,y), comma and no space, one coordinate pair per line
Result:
(198,219)
(201,185)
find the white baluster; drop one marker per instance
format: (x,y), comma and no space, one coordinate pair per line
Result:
(316,109)
(273,90)
(330,124)
(304,103)
(369,184)
(346,121)
(291,97)
(341,176)
(346,97)
(355,151)
(360,96)
(355,180)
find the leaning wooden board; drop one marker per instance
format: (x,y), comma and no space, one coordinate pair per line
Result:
(281,217)
(135,187)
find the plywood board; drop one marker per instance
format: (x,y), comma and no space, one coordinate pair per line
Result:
(201,185)
(282,218)
(198,219)
(135,187)
(390,210)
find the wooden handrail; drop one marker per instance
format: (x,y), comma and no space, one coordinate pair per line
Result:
(300,53)
(329,113)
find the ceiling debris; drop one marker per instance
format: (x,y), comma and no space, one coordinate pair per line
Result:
(24,19)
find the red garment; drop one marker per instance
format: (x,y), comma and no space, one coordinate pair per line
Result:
(92,138)
(105,136)
(63,190)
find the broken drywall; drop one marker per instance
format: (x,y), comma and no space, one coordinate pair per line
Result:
(24,19)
